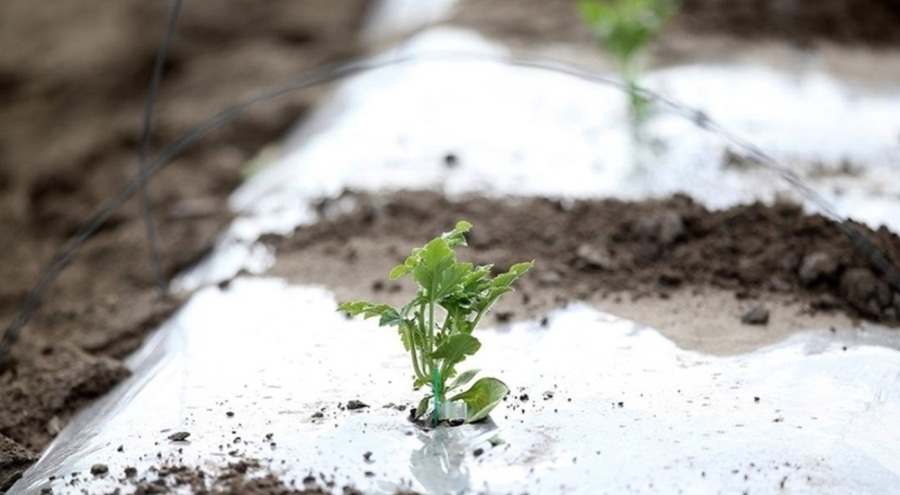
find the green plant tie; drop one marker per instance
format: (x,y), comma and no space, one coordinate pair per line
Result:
(435,388)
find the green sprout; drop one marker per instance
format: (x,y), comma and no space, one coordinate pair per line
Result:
(436,325)
(625,29)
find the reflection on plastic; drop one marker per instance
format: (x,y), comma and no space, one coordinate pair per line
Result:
(438,465)
(263,370)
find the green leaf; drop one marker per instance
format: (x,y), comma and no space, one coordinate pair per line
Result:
(436,257)
(405,330)
(388,315)
(626,27)
(398,271)
(465,326)
(422,408)
(482,398)
(503,284)
(438,272)
(464,378)
(515,271)
(419,382)
(457,237)
(408,265)
(477,279)
(452,279)
(353,308)
(455,349)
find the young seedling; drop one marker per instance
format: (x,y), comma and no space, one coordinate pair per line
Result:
(625,29)
(436,326)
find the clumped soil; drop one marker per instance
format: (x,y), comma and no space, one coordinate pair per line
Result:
(73,79)
(651,248)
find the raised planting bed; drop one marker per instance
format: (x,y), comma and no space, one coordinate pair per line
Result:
(697,319)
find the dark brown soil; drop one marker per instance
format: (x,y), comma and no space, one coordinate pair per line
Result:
(847,21)
(73,79)
(588,247)
(13,459)
(874,22)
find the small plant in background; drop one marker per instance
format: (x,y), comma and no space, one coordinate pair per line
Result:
(436,325)
(626,29)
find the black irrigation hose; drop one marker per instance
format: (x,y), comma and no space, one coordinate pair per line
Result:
(146,207)
(337,72)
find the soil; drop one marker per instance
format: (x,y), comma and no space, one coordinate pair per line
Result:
(870,22)
(856,41)
(657,262)
(73,78)
(13,459)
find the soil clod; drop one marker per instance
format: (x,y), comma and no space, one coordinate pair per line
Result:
(179,436)
(817,266)
(664,227)
(13,461)
(451,160)
(354,404)
(595,257)
(756,316)
(99,469)
(865,291)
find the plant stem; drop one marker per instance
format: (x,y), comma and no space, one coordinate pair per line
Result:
(431,325)
(426,346)
(637,104)
(484,311)
(412,351)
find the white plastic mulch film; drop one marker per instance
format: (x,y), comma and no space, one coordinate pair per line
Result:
(526,131)
(262,370)
(598,405)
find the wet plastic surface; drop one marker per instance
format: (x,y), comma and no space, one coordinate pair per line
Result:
(598,405)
